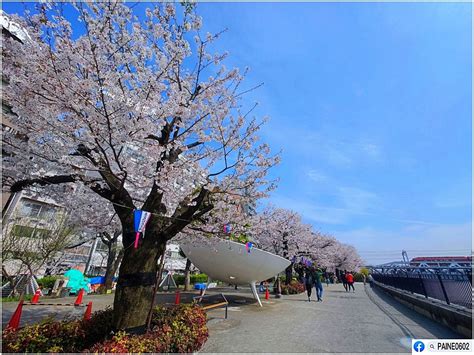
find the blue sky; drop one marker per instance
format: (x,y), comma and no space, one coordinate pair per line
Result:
(370,104)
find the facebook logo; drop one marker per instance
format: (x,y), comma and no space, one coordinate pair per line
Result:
(419,346)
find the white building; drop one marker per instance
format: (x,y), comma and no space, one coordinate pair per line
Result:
(174,262)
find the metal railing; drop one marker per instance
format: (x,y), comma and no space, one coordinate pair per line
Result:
(453,286)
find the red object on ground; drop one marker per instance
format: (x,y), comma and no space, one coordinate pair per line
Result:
(78,301)
(87,314)
(14,322)
(36,297)
(177,299)
(267,294)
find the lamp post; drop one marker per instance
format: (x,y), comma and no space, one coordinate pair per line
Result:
(278,287)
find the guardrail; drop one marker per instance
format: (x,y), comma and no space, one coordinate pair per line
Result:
(453,286)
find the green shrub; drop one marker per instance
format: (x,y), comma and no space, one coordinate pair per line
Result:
(197,278)
(358,277)
(179,279)
(17,298)
(98,328)
(48,281)
(176,329)
(48,336)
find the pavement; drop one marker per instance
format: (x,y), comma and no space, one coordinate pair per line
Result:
(365,321)
(362,322)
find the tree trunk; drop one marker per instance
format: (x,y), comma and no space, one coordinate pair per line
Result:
(112,252)
(289,274)
(11,279)
(113,261)
(187,275)
(137,275)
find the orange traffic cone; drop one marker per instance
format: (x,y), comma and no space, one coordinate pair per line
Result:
(87,314)
(78,301)
(14,322)
(177,299)
(267,294)
(36,297)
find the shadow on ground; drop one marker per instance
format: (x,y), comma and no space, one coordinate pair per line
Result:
(234,297)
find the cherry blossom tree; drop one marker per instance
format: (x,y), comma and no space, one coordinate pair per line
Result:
(141,113)
(347,258)
(282,232)
(320,249)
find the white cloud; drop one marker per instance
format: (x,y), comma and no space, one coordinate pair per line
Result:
(357,200)
(316,176)
(312,211)
(352,202)
(339,153)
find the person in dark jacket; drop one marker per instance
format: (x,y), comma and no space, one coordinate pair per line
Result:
(343,279)
(309,280)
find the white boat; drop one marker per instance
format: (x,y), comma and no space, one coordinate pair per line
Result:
(233,262)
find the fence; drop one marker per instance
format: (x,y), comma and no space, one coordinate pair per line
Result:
(450,286)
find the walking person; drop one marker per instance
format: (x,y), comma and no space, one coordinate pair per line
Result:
(308,281)
(318,284)
(326,277)
(343,280)
(350,281)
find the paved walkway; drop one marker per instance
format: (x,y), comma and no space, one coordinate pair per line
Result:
(364,321)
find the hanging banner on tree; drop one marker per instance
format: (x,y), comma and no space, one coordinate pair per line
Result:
(227,228)
(140,219)
(248,246)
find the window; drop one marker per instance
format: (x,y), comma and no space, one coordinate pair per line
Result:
(37,210)
(30,209)
(23,231)
(47,212)
(30,232)
(101,246)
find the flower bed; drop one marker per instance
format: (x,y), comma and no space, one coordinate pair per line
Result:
(293,288)
(176,329)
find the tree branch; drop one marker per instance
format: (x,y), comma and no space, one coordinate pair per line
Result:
(43,181)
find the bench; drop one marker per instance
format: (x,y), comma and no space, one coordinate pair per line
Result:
(220,302)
